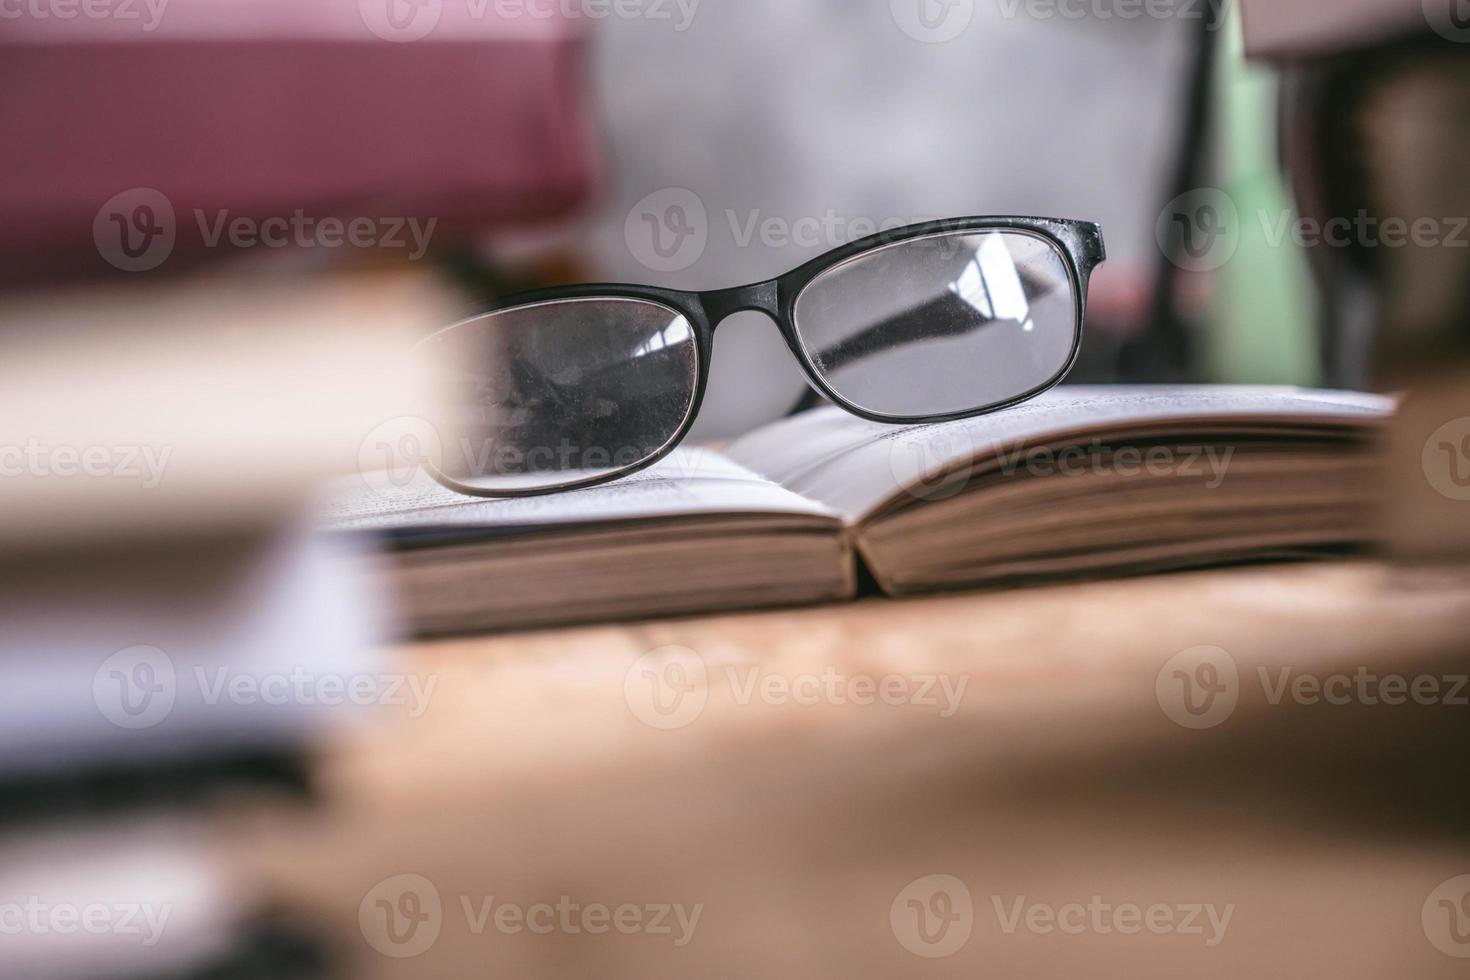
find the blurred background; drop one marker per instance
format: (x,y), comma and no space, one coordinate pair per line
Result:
(699,145)
(223,223)
(696,146)
(798,127)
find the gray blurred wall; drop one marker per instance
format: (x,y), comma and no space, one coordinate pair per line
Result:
(829,111)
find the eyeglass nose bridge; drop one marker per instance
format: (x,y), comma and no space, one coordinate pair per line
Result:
(760,297)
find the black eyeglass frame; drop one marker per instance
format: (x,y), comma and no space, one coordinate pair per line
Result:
(1080,243)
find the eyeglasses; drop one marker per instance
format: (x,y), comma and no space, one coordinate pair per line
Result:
(577,386)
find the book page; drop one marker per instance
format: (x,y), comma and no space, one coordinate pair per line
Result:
(855,466)
(690,482)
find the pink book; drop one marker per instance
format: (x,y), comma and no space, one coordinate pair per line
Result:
(179,112)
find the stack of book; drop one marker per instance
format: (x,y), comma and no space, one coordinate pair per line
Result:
(175,635)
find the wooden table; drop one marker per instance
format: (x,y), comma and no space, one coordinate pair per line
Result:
(822,835)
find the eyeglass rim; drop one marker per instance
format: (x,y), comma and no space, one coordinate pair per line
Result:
(815,371)
(1080,244)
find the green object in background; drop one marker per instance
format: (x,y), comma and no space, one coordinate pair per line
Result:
(1262,321)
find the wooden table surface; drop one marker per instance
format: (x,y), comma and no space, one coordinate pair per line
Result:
(915,788)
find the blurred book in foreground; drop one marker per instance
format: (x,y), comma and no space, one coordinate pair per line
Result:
(206,407)
(175,633)
(146,898)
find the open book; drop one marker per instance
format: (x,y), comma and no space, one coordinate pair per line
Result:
(1083,481)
